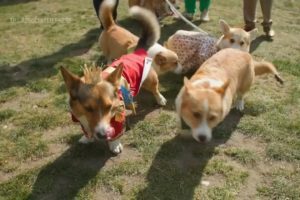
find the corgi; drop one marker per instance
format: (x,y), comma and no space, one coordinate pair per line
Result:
(99,99)
(194,48)
(206,99)
(116,41)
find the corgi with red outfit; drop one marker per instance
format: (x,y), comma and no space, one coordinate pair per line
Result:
(99,99)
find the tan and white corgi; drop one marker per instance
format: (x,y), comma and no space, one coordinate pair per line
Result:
(194,48)
(205,100)
(97,100)
(116,41)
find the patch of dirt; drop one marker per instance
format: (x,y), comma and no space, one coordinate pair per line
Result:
(127,154)
(239,140)
(103,193)
(130,182)
(20,102)
(248,190)
(55,150)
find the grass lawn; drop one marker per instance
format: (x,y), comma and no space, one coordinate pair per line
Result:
(253,155)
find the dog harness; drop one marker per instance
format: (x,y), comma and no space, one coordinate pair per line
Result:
(136,67)
(192,48)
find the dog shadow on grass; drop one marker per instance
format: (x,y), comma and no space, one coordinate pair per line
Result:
(177,168)
(45,66)
(68,174)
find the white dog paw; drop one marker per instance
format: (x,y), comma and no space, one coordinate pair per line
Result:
(240,105)
(85,140)
(161,100)
(115,146)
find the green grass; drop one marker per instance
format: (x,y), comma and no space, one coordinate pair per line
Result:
(6,114)
(243,156)
(253,155)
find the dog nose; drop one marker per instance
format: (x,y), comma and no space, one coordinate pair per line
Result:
(202,138)
(100,135)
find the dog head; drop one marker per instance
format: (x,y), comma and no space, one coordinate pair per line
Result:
(235,38)
(200,105)
(164,60)
(94,100)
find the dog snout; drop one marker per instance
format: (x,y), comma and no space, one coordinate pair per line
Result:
(100,135)
(100,131)
(202,138)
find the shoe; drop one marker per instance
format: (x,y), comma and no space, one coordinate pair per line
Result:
(189,16)
(269,31)
(249,26)
(204,16)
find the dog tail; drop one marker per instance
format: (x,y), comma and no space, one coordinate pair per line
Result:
(150,26)
(105,13)
(266,67)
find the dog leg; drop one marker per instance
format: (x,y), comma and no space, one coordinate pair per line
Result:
(160,99)
(115,146)
(151,84)
(240,103)
(85,140)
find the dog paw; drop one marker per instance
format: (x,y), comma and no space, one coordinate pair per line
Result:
(161,100)
(85,140)
(115,146)
(240,105)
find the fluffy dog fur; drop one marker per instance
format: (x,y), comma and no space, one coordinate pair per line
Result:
(205,99)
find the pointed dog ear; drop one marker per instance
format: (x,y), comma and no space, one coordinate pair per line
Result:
(160,59)
(221,90)
(225,28)
(187,84)
(115,77)
(71,80)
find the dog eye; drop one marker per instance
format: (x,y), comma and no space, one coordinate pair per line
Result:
(212,118)
(242,43)
(197,115)
(232,40)
(89,109)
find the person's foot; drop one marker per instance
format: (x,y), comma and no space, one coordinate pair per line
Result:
(249,26)
(269,31)
(204,16)
(189,16)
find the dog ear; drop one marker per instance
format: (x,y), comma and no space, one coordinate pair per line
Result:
(221,90)
(225,28)
(160,59)
(115,77)
(71,80)
(253,34)
(187,84)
